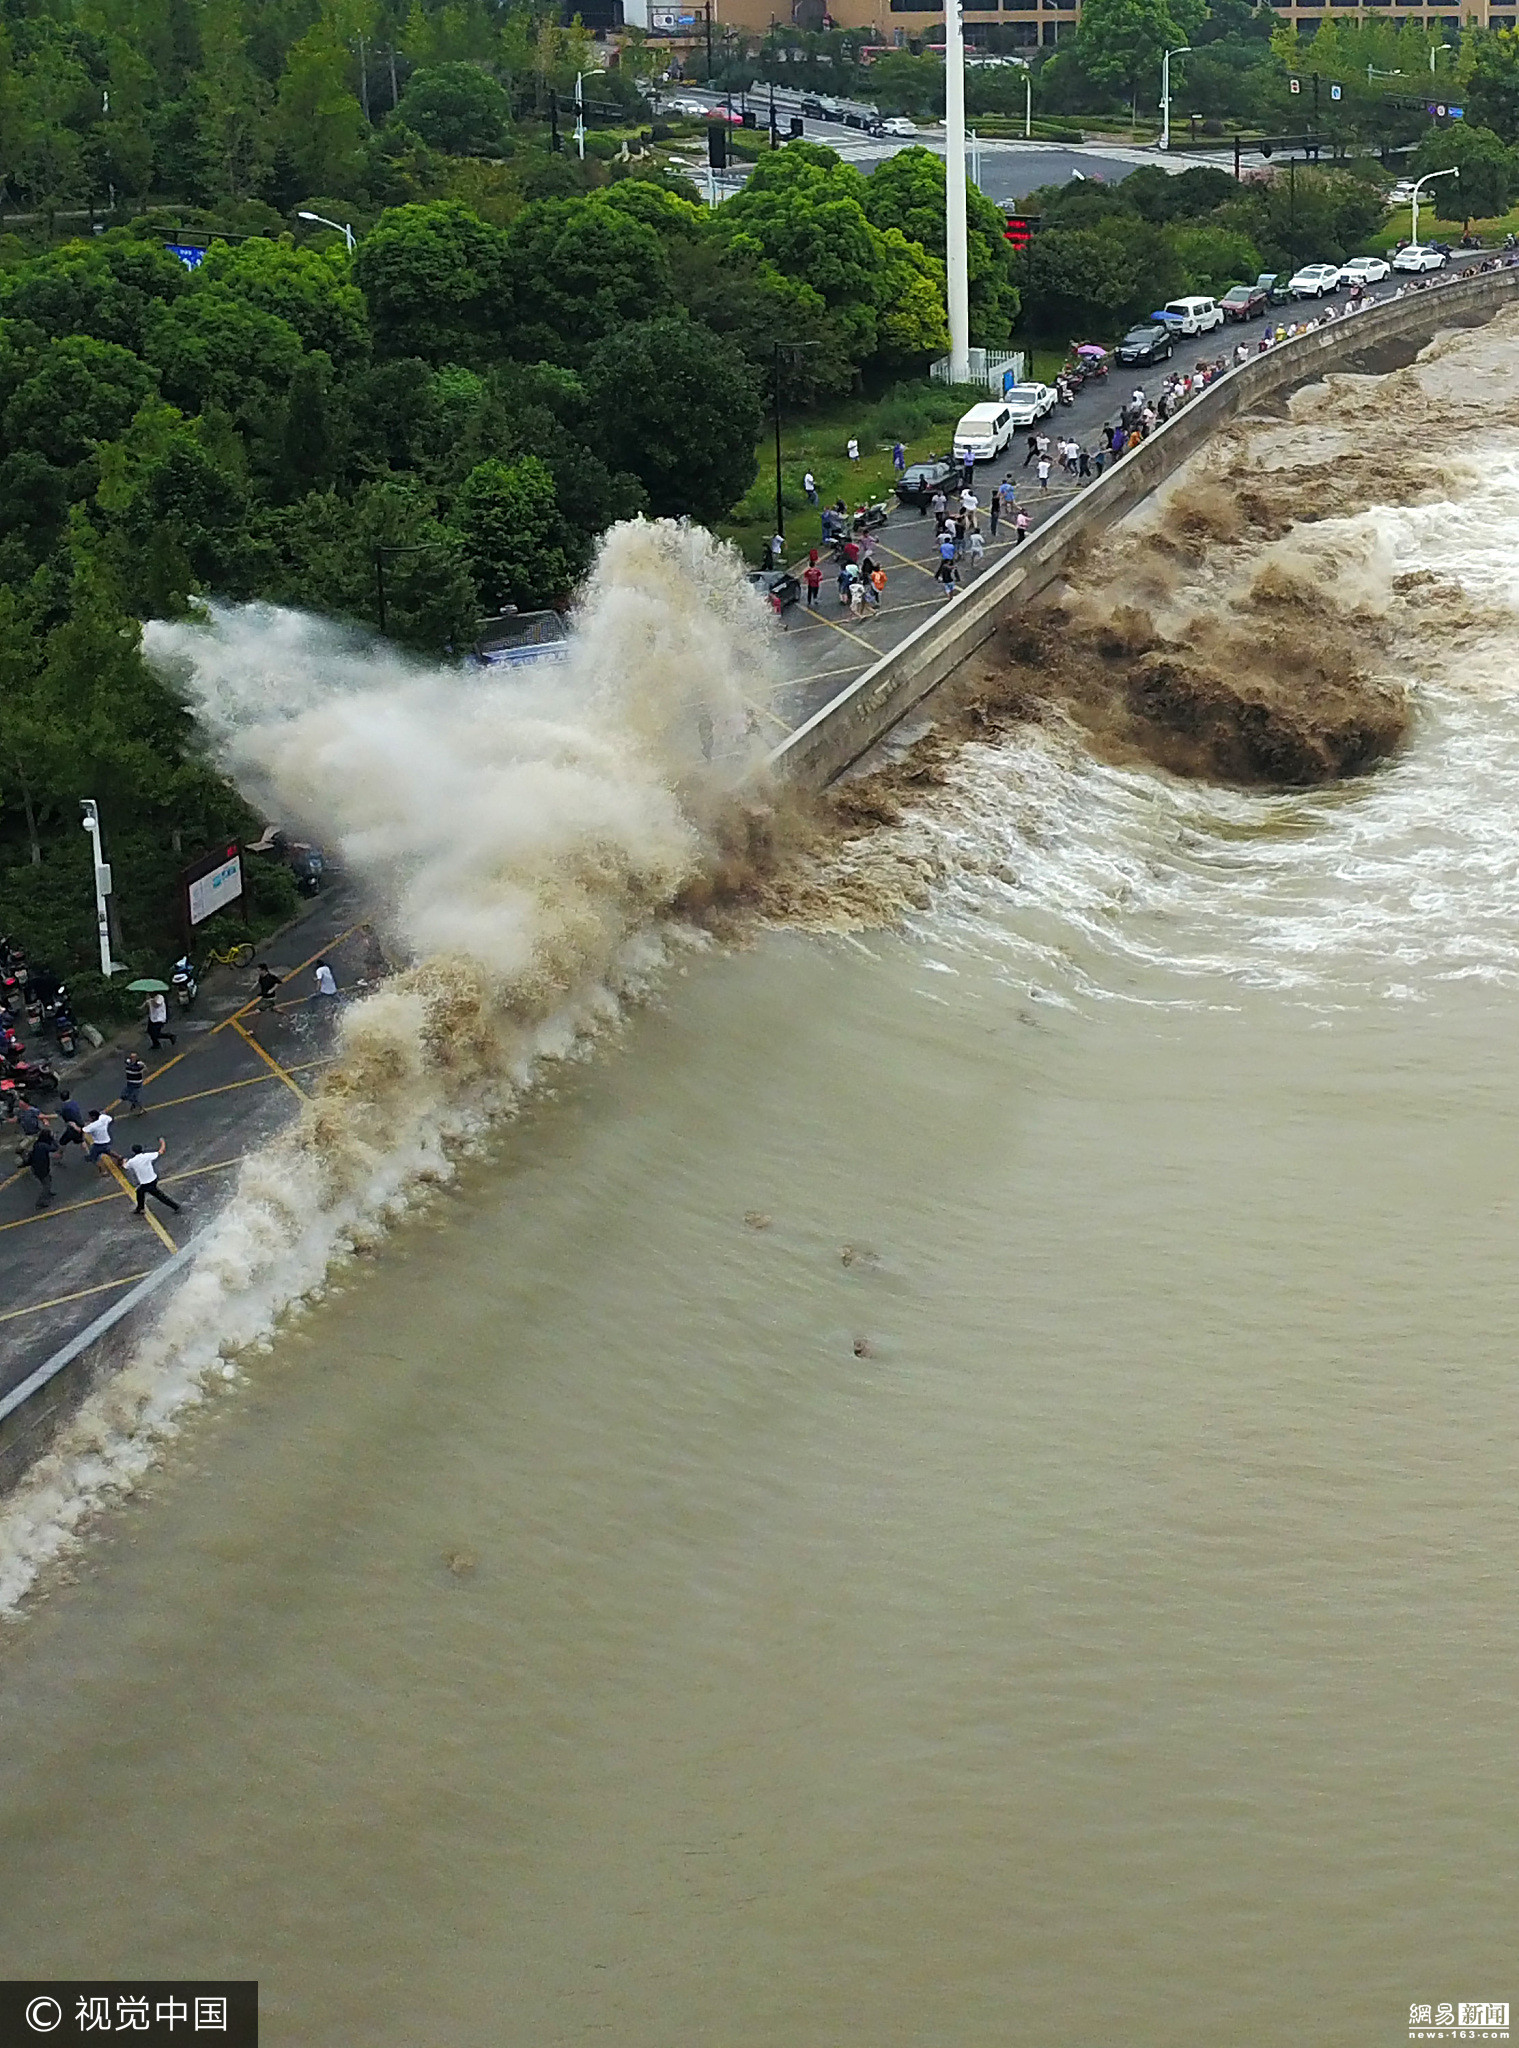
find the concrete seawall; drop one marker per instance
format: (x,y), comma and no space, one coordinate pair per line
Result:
(847,727)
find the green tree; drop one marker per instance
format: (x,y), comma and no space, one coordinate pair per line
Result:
(578,270)
(308,447)
(317,120)
(907,192)
(1486,164)
(1120,42)
(1213,258)
(80,391)
(515,539)
(213,348)
(311,289)
(1492,83)
(433,279)
(1100,279)
(680,408)
(457,108)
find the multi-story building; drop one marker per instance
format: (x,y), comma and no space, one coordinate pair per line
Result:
(1032,23)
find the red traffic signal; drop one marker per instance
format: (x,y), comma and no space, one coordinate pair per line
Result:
(1016,231)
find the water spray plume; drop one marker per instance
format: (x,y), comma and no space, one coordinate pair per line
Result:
(520,834)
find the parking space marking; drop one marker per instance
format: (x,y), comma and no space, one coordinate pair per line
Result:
(59,1300)
(248,1081)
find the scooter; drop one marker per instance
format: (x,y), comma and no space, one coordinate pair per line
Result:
(868,517)
(183,982)
(65,1029)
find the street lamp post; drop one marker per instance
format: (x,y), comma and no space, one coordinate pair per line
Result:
(1453,172)
(341,226)
(91,824)
(1165,92)
(1028,105)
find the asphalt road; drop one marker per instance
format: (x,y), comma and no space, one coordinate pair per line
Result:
(819,654)
(234,1076)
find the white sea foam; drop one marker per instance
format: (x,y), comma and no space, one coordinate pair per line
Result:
(522,836)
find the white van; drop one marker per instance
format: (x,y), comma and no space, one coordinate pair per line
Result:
(1193,316)
(984,432)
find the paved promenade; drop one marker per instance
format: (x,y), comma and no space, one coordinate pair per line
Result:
(234,1076)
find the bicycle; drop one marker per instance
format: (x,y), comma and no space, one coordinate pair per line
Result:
(235,956)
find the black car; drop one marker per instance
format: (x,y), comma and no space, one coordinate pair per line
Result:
(918,482)
(1274,284)
(778,587)
(1150,344)
(814,111)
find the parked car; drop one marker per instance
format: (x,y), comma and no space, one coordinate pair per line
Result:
(813,110)
(1278,292)
(984,431)
(1191,316)
(1401,193)
(899,125)
(1365,270)
(1028,403)
(1152,344)
(1419,256)
(1313,280)
(1244,302)
(778,587)
(918,482)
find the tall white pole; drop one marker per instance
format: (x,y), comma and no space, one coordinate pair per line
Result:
(1028,106)
(1165,92)
(957,263)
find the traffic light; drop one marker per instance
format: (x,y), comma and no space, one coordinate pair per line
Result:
(717,148)
(1016,231)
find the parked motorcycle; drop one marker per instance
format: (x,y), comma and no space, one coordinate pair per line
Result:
(868,517)
(31,1077)
(182,981)
(65,1027)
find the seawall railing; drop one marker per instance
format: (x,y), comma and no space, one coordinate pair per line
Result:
(866,710)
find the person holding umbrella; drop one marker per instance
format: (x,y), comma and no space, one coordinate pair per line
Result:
(157,1009)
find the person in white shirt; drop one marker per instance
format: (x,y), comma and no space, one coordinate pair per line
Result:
(97,1133)
(853,449)
(158,1021)
(325,984)
(142,1171)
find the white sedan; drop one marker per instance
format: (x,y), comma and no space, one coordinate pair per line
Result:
(1313,280)
(899,125)
(1365,270)
(1028,403)
(1419,256)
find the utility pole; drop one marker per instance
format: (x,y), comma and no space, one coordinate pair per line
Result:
(956,243)
(395,96)
(363,80)
(579,117)
(791,348)
(709,41)
(775,133)
(1028,104)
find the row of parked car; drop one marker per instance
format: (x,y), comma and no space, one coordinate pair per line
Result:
(1185,319)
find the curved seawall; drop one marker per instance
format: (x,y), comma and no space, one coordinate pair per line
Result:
(1382,339)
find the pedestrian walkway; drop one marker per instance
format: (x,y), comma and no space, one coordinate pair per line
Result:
(233,1078)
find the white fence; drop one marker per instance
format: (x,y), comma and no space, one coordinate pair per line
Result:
(988,366)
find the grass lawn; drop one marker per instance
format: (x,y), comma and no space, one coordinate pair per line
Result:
(924,417)
(1436,228)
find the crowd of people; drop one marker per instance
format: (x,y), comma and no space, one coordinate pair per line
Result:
(44,1138)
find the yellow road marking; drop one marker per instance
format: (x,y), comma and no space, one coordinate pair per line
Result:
(906,561)
(59,1300)
(268,1057)
(834,627)
(131,1194)
(225,1087)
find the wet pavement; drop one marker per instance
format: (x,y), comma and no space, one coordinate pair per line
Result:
(232,1077)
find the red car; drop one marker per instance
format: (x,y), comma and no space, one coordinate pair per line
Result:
(1244,302)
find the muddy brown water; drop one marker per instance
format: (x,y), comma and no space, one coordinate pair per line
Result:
(1045,1576)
